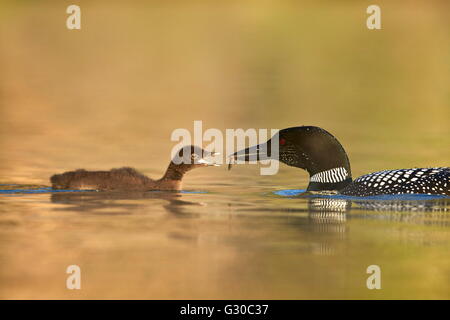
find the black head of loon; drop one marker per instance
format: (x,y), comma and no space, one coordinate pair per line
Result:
(319,153)
(310,148)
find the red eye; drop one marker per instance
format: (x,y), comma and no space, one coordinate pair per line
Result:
(282,141)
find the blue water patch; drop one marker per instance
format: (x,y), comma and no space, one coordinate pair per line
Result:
(195,192)
(19,190)
(401,197)
(289,192)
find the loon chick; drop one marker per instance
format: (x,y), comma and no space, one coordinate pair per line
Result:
(323,157)
(129,179)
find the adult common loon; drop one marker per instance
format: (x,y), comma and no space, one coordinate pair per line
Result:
(129,179)
(323,157)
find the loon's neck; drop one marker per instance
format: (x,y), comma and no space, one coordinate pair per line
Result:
(331,179)
(174,172)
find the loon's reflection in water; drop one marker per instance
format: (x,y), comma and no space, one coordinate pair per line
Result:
(328,216)
(322,220)
(324,211)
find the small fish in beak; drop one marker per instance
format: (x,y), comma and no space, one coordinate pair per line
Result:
(207,162)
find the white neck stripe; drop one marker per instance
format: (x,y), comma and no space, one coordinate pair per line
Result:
(330,176)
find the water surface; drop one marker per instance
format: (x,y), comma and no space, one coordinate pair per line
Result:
(233,243)
(111,94)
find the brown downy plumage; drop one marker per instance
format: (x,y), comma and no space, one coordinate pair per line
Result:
(130,179)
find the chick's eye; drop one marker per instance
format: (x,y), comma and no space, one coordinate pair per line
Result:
(282,141)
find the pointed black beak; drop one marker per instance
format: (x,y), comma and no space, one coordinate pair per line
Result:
(255,153)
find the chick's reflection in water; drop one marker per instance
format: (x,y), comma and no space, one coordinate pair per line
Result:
(121,203)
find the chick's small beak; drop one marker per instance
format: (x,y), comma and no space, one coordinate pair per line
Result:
(208,162)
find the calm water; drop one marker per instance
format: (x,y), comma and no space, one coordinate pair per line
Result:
(221,241)
(111,94)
